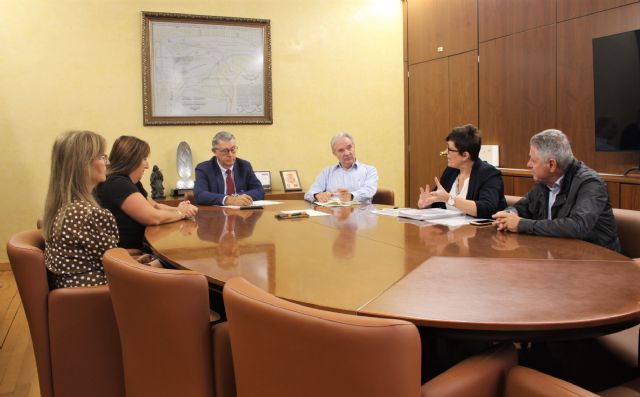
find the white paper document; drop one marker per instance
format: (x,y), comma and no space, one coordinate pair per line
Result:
(429,214)
(389,211)
(256,204)
(337,203)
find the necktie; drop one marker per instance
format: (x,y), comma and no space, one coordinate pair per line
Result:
(231,189)
(231,223)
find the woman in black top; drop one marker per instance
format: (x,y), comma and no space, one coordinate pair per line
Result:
(468,184)
(123,194)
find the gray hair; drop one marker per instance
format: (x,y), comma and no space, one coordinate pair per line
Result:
(553,144)
(339,136)
(221,136)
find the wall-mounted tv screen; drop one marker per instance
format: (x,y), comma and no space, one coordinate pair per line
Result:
(616,79)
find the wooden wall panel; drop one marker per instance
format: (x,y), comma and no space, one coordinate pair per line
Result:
(629,196)
(575,83)
(518,91)
(508,185)
(463,89)
(451,24)
(462,26)
(522,185)
(497,18)
(614,193)
(428,123)
(568,9)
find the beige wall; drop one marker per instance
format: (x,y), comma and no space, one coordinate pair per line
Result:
(76,64)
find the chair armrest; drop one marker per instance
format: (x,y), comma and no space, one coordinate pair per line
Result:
(479,376)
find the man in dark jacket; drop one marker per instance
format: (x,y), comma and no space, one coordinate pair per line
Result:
(225,179)
(569,199)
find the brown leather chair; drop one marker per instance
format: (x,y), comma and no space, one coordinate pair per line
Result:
(526,382)
(73,330)
(189,196)
(383,196)
(284,349)
(628,222)
(169,347)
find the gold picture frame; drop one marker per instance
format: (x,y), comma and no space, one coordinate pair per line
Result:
(199,69)
(291,181)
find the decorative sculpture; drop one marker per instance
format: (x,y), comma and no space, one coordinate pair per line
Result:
(157,180)
(184,165)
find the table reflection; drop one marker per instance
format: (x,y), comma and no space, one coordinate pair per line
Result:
(347,220)
(226,228)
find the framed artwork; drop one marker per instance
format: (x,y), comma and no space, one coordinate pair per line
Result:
(291,181)
(199,69)
(265,179)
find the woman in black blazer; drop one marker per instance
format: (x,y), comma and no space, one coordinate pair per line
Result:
(468,184)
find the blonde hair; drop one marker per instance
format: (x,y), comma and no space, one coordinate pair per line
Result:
(70,178)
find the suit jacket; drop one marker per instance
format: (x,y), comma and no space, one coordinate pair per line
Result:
(210,183)
(485,187)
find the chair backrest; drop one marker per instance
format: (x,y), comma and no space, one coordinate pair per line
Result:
(527,382)
(628,222)
(26,255)
(73,330)
(383,196)
(284,349)
(163,319)
(189,196)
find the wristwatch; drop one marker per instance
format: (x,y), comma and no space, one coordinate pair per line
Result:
(452,201)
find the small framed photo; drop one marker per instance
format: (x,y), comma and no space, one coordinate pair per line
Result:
(291,181)
(265,179)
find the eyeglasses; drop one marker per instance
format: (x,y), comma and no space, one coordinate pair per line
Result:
(449,150)
(227,151)
(104,158)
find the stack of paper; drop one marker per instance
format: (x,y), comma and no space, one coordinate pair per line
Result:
(336,203)
(428,213)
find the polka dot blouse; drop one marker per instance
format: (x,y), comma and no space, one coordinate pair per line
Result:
(73,253)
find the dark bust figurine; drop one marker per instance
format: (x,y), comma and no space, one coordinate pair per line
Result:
(157,179)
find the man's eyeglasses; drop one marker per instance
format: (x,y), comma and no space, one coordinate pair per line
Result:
(449,150)
(227,151)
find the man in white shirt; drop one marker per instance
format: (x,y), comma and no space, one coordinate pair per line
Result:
(349,180)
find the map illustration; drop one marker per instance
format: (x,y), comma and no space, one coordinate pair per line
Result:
(207,70)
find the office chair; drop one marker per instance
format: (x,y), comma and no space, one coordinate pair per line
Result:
(628,222)
(73,330)
(169,347)
(527,382)
(383,196)
(512,200)
(284,349)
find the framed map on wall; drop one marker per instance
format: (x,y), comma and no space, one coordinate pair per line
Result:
(200,69)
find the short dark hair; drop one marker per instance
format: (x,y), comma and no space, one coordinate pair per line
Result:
(467,139)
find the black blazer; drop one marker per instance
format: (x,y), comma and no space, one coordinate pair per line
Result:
(485,188)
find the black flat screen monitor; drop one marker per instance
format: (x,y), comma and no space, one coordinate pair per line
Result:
(616,86)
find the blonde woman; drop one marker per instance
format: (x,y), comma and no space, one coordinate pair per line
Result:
(123,194)
(77,231)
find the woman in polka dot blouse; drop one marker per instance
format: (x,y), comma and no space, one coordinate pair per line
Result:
(76,229)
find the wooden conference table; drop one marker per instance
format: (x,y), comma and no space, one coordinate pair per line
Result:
(467,281)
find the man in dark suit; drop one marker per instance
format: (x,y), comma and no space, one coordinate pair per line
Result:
(225,179)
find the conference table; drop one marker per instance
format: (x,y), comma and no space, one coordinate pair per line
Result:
(467,281)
